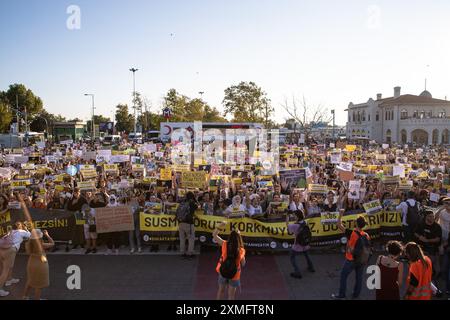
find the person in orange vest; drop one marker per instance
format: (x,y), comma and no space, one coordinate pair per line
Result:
(420,272)
(350,264)
(231,261)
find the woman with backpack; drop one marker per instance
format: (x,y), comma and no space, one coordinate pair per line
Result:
(301,243)
(231,261)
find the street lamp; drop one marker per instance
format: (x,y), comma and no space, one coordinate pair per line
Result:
(333,113)
(134,96)
(93,108)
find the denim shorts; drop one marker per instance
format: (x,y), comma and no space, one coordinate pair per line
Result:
(232,283)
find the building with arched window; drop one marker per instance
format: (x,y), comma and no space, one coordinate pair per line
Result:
(401,119)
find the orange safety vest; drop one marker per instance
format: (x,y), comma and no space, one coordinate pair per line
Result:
(423,275)
(352,242)
(238,260)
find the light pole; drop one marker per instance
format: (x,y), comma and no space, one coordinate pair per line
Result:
(93,112)
(134,96)
(332,112)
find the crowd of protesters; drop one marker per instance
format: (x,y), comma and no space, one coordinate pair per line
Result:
(421,194)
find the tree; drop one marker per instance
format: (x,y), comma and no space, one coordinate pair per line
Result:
(26,100)
(247,102)
(40,125)
(306,115)
(124,120)
(5,118)
(185,109)
(212,115)
(97,120)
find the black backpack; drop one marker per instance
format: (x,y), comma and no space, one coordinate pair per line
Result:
(183,211)
(228,268)
(412,216)
(304,235)
(362,251)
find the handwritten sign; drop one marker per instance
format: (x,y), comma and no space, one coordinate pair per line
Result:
(193,179)
(114,219)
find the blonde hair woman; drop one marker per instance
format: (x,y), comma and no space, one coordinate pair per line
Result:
(37,268)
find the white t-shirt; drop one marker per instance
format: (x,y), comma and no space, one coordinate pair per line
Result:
(404,207)
(18,236)
(254,210)
(444,222)
(294,207)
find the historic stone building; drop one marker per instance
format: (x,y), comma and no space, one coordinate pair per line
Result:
(401,119)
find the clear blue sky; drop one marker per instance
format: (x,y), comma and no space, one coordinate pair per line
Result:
(332,52)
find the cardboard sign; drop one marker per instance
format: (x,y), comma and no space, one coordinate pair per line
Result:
(193,179)
(346,175)
(379,156)
(373,207)
(114,219)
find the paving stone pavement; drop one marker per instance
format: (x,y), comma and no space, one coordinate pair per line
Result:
(166,276)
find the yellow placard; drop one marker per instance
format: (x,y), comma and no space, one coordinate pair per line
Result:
(193,179)
(350,147)
(166,174)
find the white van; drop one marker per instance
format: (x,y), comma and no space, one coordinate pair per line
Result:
(110,140)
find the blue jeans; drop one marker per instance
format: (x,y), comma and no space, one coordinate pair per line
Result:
(346,270)
(293,256)
(446,269)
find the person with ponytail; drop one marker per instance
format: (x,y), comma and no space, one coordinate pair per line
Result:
(231,261)
(420,273)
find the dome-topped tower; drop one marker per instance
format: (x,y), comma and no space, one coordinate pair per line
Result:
(427,94)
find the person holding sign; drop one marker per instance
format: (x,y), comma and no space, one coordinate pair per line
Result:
(231,261)
(302,233)
(356,256)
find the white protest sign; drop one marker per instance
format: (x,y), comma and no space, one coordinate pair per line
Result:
(345,166)
(434,197)
(398,171)
(385,146)
(354,189)
(336,157)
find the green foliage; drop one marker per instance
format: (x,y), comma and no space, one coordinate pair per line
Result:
(247,102)
(185,109)
(26,99)
(124,120)
(5,118)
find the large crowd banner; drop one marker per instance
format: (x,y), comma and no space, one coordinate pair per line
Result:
(59,223)
(114,219)
(268,235)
